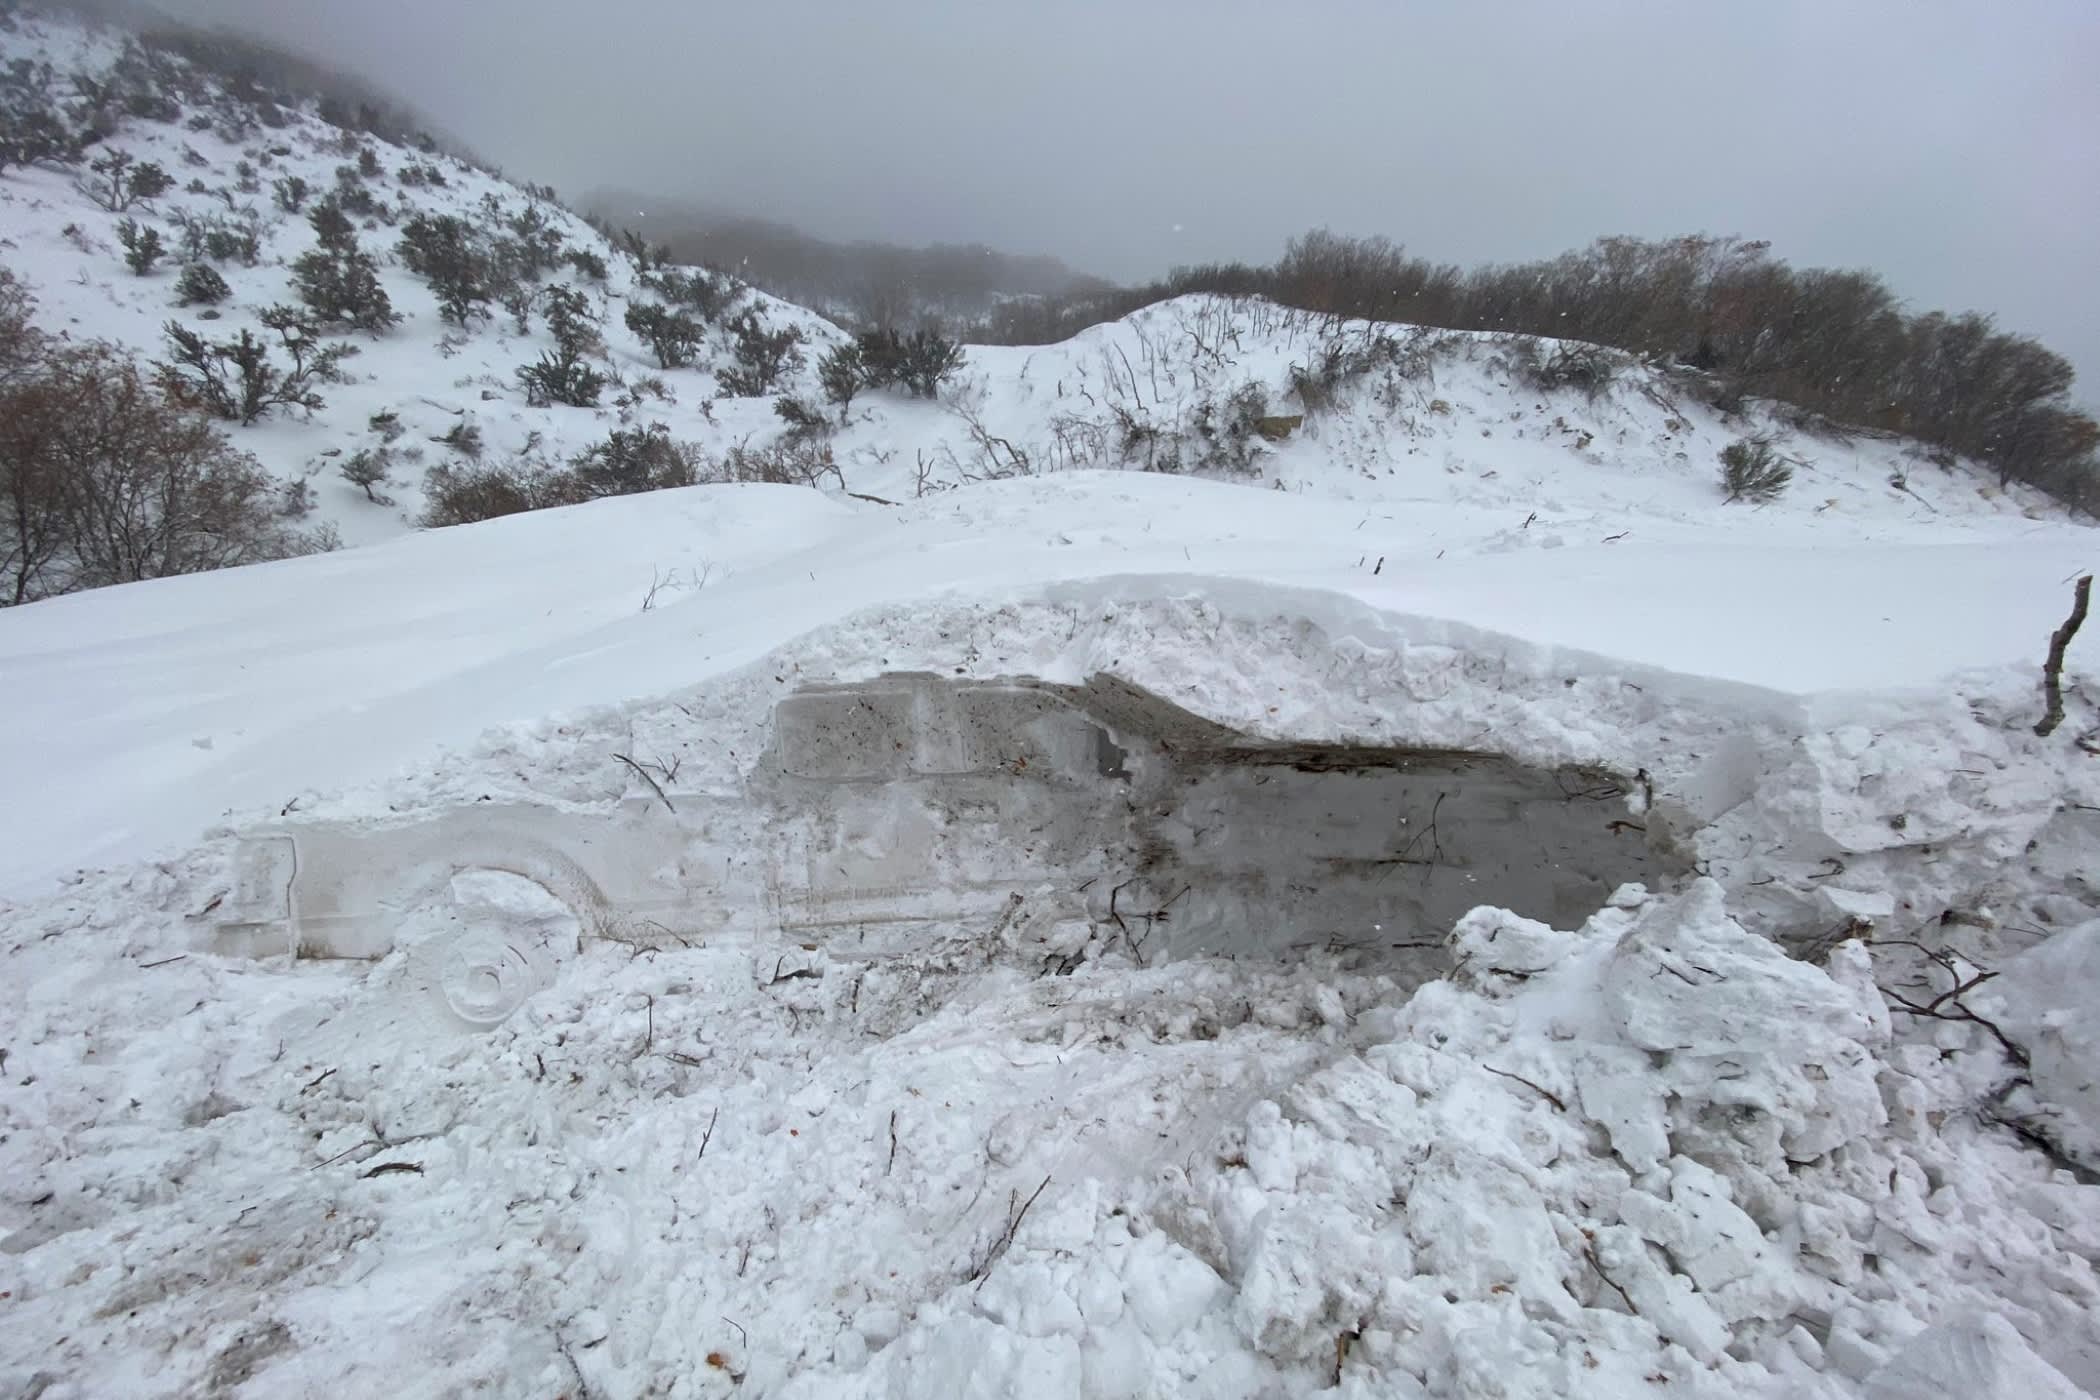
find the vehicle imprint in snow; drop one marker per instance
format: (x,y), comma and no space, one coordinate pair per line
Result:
(887,815)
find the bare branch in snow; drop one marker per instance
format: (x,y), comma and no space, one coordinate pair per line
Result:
(2053,668)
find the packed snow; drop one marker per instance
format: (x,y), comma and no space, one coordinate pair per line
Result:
(1702,1142)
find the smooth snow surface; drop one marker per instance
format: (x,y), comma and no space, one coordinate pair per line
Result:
(1688,1143)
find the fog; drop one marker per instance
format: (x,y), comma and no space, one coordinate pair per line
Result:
(1954,149)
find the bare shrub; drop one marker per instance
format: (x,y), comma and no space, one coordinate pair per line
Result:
(790,462)
(22,346)
(462,495)
(1751,471)
(103,481)
(369,467)
(629,461)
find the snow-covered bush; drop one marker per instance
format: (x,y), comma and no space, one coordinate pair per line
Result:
(707,293)
(142,246)
(564,376)
(236,379)
(802,419)
(1751,471)
(674,336)
(532,249)
(763,356)
(839,375)
(1228,433)
(919,361)
(1342,360)
(338,280)
(421,175)
(215,236)
(628,461)
(200,285)
(295,498)
(446,252)
(632,460)
(1587,369)
(118,180)
(465,439)
(34,127)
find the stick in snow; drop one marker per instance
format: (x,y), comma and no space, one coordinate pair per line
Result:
(1013,1225)
(2053,668)
(646,778)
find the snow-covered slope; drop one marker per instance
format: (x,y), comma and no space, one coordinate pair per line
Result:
(431,376)
(519,1142)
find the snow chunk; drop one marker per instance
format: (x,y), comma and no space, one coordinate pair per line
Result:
(1688,977)
(2045,1002)
(1978,1358)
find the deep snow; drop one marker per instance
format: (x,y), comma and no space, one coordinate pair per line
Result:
(1650,1155)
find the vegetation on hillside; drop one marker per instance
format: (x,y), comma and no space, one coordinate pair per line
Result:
(1723,312)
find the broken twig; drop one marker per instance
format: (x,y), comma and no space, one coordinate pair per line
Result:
(1013,1225)
(647,779)
(1547,1094)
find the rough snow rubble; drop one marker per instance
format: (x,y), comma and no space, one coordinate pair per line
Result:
(1651,1155)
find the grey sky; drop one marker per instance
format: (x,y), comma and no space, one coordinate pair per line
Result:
(1953,147)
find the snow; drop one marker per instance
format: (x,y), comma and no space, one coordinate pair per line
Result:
(1680,1147)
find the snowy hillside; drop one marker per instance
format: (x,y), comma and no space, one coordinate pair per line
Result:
(432,377)
(1238,855)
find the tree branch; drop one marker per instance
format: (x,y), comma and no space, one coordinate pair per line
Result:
(2053,668)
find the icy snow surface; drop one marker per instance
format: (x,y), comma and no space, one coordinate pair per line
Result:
(1652,1154)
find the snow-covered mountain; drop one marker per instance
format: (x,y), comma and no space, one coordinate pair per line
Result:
(1235,855)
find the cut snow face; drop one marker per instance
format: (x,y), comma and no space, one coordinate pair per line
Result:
(887,814)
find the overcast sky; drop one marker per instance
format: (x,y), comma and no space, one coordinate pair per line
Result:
(1953,147)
